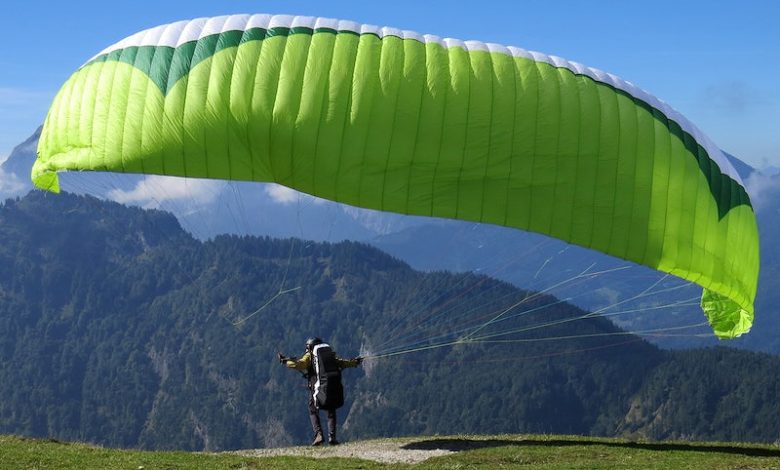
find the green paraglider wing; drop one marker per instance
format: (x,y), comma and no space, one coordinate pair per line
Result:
(395,121)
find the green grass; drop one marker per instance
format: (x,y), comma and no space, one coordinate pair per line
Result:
(487,452)
(18,453)
(577,452)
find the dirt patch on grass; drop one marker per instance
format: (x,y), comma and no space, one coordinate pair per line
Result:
(378,450)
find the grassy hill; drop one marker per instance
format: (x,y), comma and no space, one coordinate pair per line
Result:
(503,451)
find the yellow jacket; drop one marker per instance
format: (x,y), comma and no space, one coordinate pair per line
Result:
(304,362)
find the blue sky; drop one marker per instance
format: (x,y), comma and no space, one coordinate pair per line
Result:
(717,62)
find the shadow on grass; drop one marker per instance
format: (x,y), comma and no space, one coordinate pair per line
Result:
(459,445)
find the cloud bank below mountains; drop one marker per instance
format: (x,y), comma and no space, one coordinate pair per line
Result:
(764,190)
(154,191)
(286,196)
(11,185)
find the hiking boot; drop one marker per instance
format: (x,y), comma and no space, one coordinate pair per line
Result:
(318,440)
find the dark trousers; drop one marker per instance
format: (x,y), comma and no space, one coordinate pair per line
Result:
(314,415)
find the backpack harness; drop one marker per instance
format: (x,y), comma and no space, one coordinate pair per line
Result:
(327,391)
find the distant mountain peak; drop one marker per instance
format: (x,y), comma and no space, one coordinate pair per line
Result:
(742,168)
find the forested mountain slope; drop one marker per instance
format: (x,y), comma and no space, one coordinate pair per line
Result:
(117,327)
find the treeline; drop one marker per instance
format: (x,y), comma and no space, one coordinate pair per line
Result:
(117,327)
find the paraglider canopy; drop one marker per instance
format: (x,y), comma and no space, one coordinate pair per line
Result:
(415,124)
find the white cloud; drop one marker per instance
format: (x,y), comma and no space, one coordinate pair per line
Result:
(735,97)
(769,167)
(10,184)
(762,188)
(281,194)
(154,191)
(285,196)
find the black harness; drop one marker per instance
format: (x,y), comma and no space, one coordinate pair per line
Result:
(325,378)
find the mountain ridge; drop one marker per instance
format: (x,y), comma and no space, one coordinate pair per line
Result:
(118,327)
